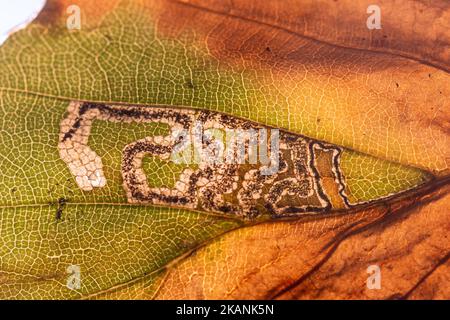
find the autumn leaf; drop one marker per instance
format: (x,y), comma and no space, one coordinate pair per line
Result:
(363,118)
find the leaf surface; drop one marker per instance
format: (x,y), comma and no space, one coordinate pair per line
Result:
(384,103)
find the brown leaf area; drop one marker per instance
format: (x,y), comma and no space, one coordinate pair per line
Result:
(405,28)
(327,258)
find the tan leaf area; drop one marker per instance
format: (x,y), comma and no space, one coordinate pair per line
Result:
(326,258)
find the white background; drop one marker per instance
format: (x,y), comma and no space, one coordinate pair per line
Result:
(16,14)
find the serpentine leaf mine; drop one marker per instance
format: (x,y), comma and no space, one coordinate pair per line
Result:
(232,172)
